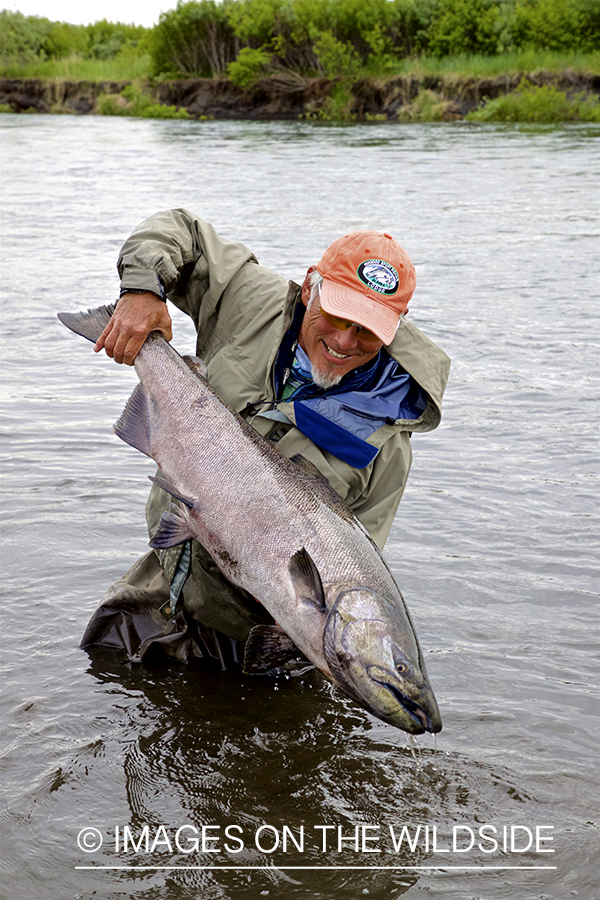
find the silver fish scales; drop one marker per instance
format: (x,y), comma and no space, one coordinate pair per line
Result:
(276,528)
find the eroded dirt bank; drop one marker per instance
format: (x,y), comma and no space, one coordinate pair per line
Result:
(287,96)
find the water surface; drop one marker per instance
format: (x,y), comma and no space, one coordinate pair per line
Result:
(494,545)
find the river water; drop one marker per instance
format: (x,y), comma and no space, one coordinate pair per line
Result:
(495,545)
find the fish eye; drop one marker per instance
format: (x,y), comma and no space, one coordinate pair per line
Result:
(401,663)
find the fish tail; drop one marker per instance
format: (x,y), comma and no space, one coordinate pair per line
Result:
(88,324)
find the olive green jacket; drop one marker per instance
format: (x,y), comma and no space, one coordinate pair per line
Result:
(242,312)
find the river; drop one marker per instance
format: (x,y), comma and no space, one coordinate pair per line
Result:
(296,792)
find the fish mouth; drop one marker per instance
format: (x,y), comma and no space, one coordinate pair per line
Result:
(414,710)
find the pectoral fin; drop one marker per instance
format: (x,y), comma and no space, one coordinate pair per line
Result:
(267,647)
(133,425)
(306,579)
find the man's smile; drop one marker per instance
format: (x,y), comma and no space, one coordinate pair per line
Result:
(335,353)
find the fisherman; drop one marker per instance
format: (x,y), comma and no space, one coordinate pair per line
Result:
(331,371)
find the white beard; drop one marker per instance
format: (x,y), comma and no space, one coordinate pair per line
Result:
(325,379)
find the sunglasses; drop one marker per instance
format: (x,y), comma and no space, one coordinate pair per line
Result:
(362,333)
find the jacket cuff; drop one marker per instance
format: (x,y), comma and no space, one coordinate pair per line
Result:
(142,280)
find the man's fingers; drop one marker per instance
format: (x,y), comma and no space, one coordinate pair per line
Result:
(126,347)
(134,318)
(167,331)
(101,342)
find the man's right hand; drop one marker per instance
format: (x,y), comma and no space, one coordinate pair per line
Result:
(135,317)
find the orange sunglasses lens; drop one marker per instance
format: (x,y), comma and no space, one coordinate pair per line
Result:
(362,333)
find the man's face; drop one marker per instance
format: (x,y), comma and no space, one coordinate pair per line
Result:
(333,353)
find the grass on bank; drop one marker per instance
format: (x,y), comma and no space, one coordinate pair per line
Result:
(127,65)
(511,63)
(133,102)
(541,105)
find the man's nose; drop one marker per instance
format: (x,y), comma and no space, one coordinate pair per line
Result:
(347,339)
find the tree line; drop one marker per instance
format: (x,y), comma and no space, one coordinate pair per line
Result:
(246,38)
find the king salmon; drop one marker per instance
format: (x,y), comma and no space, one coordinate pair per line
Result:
(276,528)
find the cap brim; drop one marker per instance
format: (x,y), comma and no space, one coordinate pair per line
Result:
(339,300)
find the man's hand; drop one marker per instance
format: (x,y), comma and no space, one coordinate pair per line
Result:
(135,317)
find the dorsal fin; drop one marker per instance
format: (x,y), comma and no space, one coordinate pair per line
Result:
(197,365)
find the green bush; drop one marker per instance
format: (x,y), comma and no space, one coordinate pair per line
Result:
(256,22)
(428,106)
(336,57)
(144,107)
(109,105)
(336,108)
(64,39)
(106,39)
(248,67)
(547,24)
(464,26)
(195,38)
(21,37)
(543,105)
(137,104)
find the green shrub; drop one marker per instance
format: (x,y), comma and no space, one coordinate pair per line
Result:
(106,39)
(21,37)
(464,26)
(144,107)
(248,67)
(109,105)
(428,106)
(547,24)
(137,104)
(64,39)
(336,57)
(195,38)
(256,22)
(336,108)
(543,105)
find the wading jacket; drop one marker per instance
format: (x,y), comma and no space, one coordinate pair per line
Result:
(247,319)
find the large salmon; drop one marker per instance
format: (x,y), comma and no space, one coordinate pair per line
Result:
(276,528)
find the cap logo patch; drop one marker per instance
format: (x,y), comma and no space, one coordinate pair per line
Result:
(378,275)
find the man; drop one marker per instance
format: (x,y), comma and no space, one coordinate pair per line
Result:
(330,370)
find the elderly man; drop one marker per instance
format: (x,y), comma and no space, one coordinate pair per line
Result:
(331,370)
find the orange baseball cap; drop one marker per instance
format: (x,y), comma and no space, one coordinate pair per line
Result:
(367,278)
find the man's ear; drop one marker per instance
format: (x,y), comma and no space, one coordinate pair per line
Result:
(306,285)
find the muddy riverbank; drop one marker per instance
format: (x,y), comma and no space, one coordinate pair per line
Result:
(287,97)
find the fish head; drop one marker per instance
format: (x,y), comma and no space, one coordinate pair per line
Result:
(374,656)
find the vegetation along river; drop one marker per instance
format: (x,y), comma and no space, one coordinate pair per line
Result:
(494,545)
